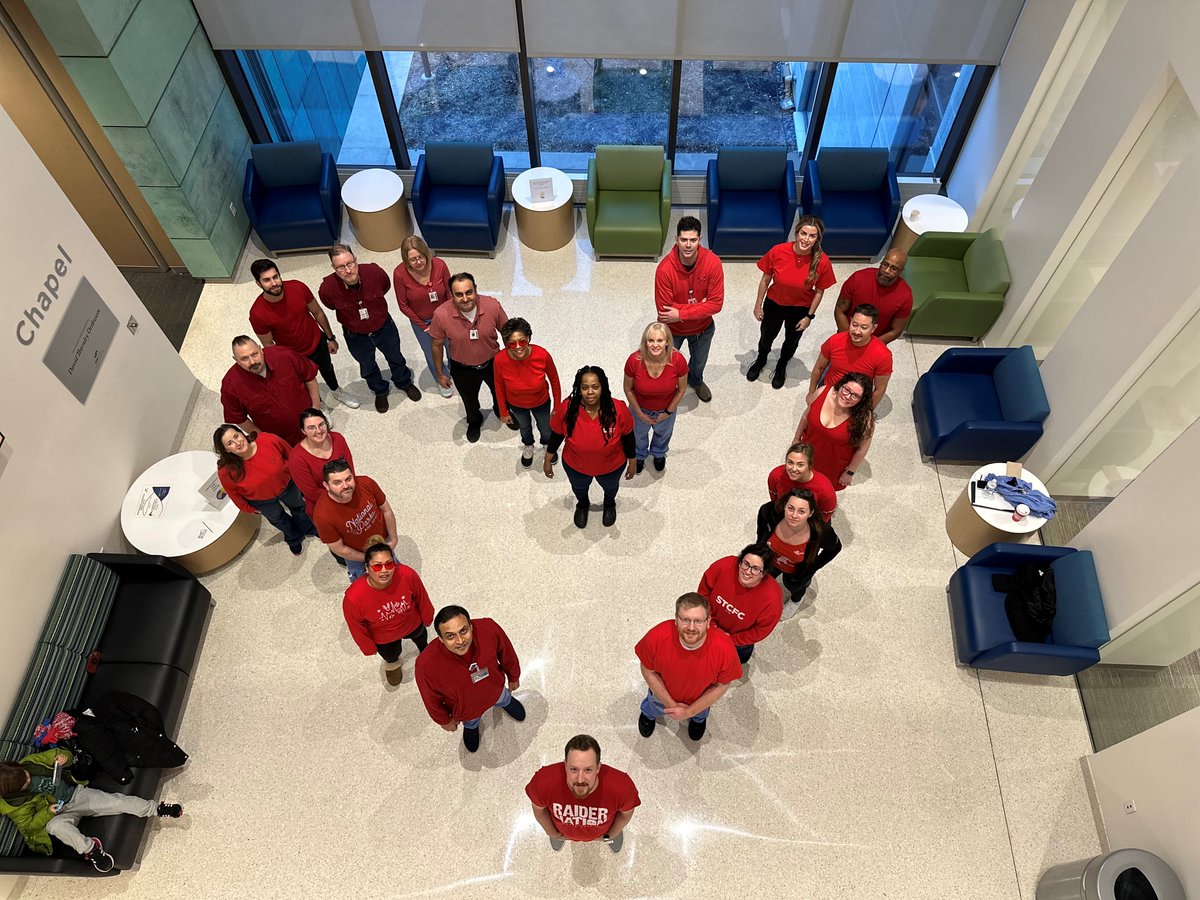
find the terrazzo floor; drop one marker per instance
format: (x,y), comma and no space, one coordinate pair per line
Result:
(856,760)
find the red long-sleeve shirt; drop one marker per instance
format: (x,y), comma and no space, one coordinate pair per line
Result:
(747,615)
(460,688)
(308,470)
(266,476)
(698,293)
(527,383)
(419,301)
(382,615)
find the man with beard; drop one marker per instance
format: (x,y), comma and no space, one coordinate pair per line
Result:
(350,513)
(581,800)
(267,389)
(884,289)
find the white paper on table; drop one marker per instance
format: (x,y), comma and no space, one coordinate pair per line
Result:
(541,190)
(213,493)
(150,504)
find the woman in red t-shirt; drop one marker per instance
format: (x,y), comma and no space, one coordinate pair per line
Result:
(839,424)
(802,543)
(422,283)
(596,434)
(655,382)
(255,475)
(797,471)
(795,277)
(318,446)
(387,607)
(527,385)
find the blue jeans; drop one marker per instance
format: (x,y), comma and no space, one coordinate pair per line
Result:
(698,347)
(525,418)
(355,569)
(426,342)
(652,708)
(661,440)
(505,697)
(387,340)
(608,483)
(293,521)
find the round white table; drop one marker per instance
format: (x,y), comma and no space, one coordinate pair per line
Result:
(378,212)
(183,524)
(545,221)
(972,526)
(927,212)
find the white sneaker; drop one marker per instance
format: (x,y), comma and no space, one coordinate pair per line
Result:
(343,398)
(789,610)
(445,391)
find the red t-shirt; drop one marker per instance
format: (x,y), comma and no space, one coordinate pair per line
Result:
(655,393)
(688,673)
(287,319)
(872,360)
(778,484)
(586,449)
(747,615)
(462,688)
(788,557)
(789,275)
(274,402)
(266,473)
(418,301)
(588,818)
(698,293)
(382,615)
(893,302)
(355,521)
(527,383)
(362,309)
(307,470)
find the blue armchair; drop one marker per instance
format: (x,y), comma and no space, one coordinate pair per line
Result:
(983,638)
(855,193)
(458,196)
(292,196)
(979,404)
(751,200)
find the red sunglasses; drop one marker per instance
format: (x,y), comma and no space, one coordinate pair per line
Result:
(518,344)
(383,566)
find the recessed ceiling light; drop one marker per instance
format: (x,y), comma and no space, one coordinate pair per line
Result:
(641,71)
(549,70)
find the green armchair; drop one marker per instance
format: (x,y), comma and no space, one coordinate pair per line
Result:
(628,200)
(958,282)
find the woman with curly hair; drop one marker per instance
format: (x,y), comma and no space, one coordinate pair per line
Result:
(596,433)
(839,424)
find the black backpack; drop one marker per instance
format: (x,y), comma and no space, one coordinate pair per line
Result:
(1030,602)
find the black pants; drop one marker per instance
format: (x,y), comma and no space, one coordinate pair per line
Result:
(468,380)
(391,651)
(320,356)
(774,318)
(744,652)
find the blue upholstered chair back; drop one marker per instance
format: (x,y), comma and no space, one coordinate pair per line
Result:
(461,164)
(1080,620)
(1019,387)
(287,165)
(751,168)
(852,168)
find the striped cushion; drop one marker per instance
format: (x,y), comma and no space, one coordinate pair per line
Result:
(53,682)
(81,605)
(11,842)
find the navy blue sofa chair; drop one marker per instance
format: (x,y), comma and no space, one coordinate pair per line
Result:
(458,196)
(978,404)
(751,200)
(855,193)
(292,196)
(983,639)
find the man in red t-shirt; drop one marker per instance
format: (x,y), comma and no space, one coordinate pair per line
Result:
(267,389)
(745,603)
(286,313)
(581,800)
(689,289)
(352,511)
(884,289)
(856,350)
(687,666)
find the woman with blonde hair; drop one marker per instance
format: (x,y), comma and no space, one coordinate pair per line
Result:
(655,382)
(422,284)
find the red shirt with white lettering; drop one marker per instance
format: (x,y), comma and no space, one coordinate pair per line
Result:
(893,302)
(688,673)
(587,818)
(872,360)
(382,615)
(747,615)
(586,449)
(788,557)
(778,484)
(789,275)
(655,394)
(461,688)
(355,521)
(287,319)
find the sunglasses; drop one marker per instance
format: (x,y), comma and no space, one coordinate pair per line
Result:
(518,344)
(383,566)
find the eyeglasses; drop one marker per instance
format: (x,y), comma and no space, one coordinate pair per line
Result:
(518,345)
(383,566)
(845,391)
(752,570)
(699,623)
(346,267)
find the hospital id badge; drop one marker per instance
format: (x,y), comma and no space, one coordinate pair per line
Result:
(478,675)
(433,297)
(363,314)
(474,334)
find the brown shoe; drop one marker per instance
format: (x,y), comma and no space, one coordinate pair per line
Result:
(394,676)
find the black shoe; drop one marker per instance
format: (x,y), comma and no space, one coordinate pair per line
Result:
(471,739)
(381,403)
(99,858)
(754,371)
(170,810)
(703,392)
(472,432)
(527,457)
(515,709)
(411,391)
(512,424)
(641,464)
(646,725)
(660,463)
(696,729)
(296,548)
(610,515)
(581,514)
(779,378)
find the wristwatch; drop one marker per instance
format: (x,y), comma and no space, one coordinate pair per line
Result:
(850,472)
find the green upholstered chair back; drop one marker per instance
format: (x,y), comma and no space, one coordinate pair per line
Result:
(1019,387)
(620,168)
(289,164)
(852,168)
(462,164)
(986,266)
(751,168)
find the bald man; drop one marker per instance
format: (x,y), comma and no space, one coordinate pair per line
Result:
(883,288)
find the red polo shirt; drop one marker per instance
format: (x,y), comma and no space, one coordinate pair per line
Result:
(273,401)
(586,449)
(688,673)
(362,308)
(698,293)
(872,360)
(419,301)
(287,319)
(382,615)
(449,323)
(778,484)
(462,688)
(893,302)
(355,521)
(587,818)
(747,615)
(789,275)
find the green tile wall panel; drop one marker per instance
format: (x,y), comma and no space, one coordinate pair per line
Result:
(148,51)
(103,91)
(221,145)
(187,105)
(141,157)
(229,235)
(201,259)
(66,28)
(108,18)
(174,212)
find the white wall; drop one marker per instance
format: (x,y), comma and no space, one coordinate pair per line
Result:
(65,467)
(1157,771)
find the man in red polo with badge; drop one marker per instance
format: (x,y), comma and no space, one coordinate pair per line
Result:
(687,666)
(856,350)
(745,603)
(582,800)
(689,289)
(884,289)
(266,389)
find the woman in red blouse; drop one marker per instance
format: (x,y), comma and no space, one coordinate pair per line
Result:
(387,607)
(422,283)
(802,543)
(255,475)
(526,385)
(795,277)
(596,433)
(655,382)
(839,424)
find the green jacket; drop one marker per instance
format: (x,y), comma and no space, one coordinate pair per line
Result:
(31,812)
